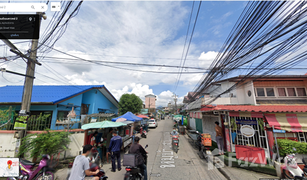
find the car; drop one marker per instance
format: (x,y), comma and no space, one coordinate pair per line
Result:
(153,123)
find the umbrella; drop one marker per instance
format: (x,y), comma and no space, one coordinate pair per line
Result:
(129,116)
(103,124)
(121,119)
(143,116)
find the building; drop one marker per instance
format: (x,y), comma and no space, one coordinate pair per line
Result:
(258,103)
(150,103)
(58,101)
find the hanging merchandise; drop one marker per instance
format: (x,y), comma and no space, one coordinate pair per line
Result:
(72,113)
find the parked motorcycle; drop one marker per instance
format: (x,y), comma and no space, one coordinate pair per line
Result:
(305,167)
(28,171)
(175,142)
(135,173)
(144,134)
(292,170)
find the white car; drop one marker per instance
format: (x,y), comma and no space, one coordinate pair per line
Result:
(153,123)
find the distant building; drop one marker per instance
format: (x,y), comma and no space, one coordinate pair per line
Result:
(150,103)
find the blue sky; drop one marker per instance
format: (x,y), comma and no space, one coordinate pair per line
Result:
(138,32)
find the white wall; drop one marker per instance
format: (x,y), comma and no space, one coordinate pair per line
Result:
(209,125)
(7,145)
(239,95)
(192,123)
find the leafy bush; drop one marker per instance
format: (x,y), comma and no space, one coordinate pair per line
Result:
(49,143)
(286,147)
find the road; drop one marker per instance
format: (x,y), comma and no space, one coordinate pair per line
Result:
(163,164)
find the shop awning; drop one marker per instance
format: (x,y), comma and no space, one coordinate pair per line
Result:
(288,121)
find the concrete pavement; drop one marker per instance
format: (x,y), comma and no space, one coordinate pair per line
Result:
(164,164)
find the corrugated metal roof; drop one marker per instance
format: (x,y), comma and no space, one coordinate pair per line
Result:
(44,94)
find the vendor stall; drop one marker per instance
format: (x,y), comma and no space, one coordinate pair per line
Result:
(103,129)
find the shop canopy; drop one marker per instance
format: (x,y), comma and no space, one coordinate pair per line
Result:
(143,116)
(292,118)
(103,124)
(129,116)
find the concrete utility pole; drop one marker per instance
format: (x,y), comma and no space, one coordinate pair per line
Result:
(175,99)
(28,85)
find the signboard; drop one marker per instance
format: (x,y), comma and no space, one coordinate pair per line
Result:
(246,121)
(247,131)
(9,167)
(21,122)
(279,131)
(144,111)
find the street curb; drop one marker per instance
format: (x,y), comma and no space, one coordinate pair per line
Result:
(221,170)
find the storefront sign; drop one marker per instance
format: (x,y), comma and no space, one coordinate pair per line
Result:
(246,121)
(279,131)
(247,131)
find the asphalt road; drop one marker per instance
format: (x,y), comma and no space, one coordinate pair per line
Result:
(164,164)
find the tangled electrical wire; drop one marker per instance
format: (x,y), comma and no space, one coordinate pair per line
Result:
(270,35)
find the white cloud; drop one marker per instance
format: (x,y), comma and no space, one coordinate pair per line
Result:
(207,58)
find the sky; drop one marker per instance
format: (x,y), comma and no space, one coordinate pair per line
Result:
(134,32)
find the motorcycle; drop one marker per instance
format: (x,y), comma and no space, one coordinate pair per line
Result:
(144,134)
(305,167)
(292,170)
(93,167)
(29,172)
(175,142)
(135,173)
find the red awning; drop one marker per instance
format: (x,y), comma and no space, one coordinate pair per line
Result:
(252,108)
(288,121)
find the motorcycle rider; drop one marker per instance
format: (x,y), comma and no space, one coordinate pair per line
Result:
(81,166)
(136,148)
(175,133)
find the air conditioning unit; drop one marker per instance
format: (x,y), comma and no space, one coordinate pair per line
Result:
(215,112)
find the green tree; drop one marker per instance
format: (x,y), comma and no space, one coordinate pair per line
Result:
(130,102)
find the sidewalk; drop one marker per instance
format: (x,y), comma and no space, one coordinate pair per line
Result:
(61,174)
(234,173)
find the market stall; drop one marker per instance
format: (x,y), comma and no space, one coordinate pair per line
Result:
(103,129)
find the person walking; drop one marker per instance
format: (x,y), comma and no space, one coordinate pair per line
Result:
(219,138)
(109,137)
(114,150)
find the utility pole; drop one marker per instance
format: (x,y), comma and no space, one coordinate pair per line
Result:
(175,99)
(28,85)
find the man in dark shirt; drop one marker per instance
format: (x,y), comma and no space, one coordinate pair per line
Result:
(114,150)
(136,148)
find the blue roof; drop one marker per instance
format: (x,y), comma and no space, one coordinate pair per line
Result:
(129,116)
(48,93)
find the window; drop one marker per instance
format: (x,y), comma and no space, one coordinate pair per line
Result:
(282,92)
(260,92)
(301,91)
(62,115)
(270,92)
(291,92)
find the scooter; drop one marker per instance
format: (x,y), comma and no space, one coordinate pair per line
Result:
(305,167)
(144,134)
(29,172)
(175,142)
(292,170)
(135,173)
